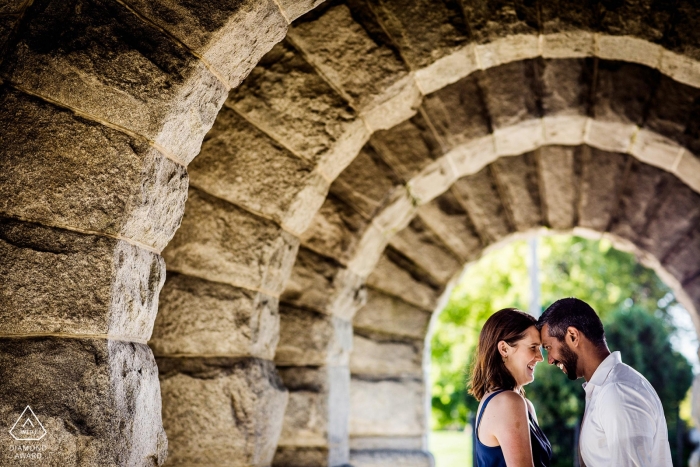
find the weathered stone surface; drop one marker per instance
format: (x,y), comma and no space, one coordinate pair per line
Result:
(602,176)
(479,194)
(458,111)
(287,98)
(391,458)
(367,72)
(387,407)
(317,415)
(425,248)
(519,178)
(98,400)
(386,358)
(231,36)
(301,456)
(408,147)
(223,243)
(489,21)
(390,315)
(447,218)
(623,91)
(671,110)
(319,283)
(221,408)
(510,92)
(335,230)
(565,86)
(310,338)
(558,185)
(397,276)
(60,169)
(133,74)
(56,281)
(678,261)
(293,9)
(240,164)
(366,183)
(198,317)
(386,443)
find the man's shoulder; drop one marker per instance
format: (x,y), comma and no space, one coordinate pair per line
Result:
(623,379)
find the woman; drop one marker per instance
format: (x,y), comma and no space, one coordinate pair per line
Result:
(506,429)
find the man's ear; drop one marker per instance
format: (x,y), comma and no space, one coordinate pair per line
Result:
(572,337)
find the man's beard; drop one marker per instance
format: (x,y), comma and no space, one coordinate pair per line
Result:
(570,360)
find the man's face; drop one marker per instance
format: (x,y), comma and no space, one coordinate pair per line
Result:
(559,354)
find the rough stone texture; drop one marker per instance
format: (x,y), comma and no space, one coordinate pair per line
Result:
(510,93)
(623,91)
(558,185)
(425,248)
(221,408)
(310,338)
(231,36)
(60,169)
(678,261)
(408,147)
(489,21)
(220,242)
(458,111)
(602,177)
(399,277)
(518,178)
(287,98)
(335,230)
(447,218)
(132,74)
(98,400)
(240,164)
(198,317)
(366,183)
(387,407)
(367,72)
(376,357)
(386,443)
(479,195)
(293,9)
(565,86)
(57,281)
(672,110)
(391,458)
(316,419)
(390,315)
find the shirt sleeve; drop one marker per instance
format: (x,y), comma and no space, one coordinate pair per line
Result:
(629,423)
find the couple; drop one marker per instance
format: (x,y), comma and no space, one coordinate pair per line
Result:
(623,424)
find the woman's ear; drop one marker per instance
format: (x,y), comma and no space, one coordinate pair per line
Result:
(503,349)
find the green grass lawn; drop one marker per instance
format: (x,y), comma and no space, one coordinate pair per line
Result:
(451,448)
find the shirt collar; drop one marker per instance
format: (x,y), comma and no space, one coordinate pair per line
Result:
(601,373)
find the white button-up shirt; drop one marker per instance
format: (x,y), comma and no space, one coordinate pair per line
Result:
(624,423)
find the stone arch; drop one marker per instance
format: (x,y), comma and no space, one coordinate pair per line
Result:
(107,101)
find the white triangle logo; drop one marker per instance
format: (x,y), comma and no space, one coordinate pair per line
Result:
(28,427)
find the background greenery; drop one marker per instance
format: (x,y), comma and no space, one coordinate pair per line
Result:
(631,300)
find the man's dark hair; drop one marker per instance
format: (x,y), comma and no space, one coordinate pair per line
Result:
(573,312)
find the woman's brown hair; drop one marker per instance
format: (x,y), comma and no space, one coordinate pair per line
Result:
(489,372)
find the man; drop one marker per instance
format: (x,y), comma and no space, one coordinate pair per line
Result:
(623,424)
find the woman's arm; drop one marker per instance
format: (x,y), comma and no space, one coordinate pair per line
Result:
(508,423)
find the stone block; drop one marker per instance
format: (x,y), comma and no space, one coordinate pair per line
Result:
(366,71)
(680,261)
(479,195)
(387,407)
(390,315)
(447,218)
(366,182)
(301,456)
(602,175)
(133,74)
(290,101)
(57,281)
(223,243)
(510,92)
(98,401)
(519,177)
(391,458)
(399,277)
(293,9)
(565,86)
(671,109)
(425,248)
(375,357)
(335,230)
(308,338)
(198,317)
(458,111)
(241,164)
(490,21)
(63,170)
(623,91)
(408,147)
(319,283)
(558,183)
(231,36)
(563,15)
(220,409)
(386,443)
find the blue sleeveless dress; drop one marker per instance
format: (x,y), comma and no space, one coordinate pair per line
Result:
(492,456)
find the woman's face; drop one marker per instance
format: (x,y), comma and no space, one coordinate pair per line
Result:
(523,356)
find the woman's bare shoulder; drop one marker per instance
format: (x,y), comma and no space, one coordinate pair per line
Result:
(508,401)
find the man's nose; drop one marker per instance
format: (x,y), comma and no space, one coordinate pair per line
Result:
(550,360)
(539,356)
